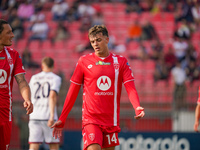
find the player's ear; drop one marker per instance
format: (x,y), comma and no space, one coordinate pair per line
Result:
(107,39)
(42,66)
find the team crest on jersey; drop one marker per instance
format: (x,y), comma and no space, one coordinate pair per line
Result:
(116,65)
(91,136)
(10,61)
(102,63)
(103,83)
(3,76)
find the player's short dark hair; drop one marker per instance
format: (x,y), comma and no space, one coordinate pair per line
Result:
(93,31)
(48,61)
(2,22)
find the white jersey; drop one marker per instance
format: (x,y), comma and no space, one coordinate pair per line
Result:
(41,84)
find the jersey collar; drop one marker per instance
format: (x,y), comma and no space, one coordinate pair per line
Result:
(103,58)
(2,50)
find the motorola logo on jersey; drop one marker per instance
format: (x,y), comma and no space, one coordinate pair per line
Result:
(103,83)
(3,76)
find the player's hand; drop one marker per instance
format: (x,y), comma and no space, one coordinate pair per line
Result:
(196,125)
(141,114)
(57,131)
(29,106)
(50,122)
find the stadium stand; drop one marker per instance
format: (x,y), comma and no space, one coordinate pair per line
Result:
(156,98)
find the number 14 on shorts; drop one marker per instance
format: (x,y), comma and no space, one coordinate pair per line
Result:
(112,138)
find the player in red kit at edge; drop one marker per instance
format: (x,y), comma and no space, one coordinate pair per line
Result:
(197,114)
(102,74)
(10,66)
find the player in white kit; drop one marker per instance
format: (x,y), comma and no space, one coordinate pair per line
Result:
(44,89)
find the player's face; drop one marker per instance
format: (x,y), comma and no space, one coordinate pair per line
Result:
(100,45)
(6,36)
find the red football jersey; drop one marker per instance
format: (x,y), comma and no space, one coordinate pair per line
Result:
(198,101)
(102,83)
(10,65)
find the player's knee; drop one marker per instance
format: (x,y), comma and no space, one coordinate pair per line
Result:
(54,146)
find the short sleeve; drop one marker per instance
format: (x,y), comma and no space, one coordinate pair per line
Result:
(127,72)
(78,75)
(31,81)
(18,66)
(56,84)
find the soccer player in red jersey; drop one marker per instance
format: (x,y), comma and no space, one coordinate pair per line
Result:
(10,66)
(197,114)
(102,74)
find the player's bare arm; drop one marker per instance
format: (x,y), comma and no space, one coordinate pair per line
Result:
(52,105)
(25,92)
(197,116)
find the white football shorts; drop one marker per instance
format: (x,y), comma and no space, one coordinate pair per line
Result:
(39,132)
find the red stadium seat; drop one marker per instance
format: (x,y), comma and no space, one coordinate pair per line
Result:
(120,7)
(21,44)
(132,46)
(34,45)
(168,17)
(107,6)
(49,53)
(59,45)
(46,45)
(48,14)
(37,56)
